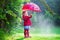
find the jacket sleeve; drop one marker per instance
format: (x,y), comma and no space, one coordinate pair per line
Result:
(30,16)
(25,18)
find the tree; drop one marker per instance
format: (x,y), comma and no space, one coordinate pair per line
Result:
(10,14)
(47,6)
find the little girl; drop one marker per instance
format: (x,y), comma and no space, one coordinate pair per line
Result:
(27,23)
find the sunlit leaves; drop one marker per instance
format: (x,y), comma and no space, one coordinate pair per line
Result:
(11,13)
(27,0)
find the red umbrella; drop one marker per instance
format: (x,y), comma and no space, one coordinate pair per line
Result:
(32,7)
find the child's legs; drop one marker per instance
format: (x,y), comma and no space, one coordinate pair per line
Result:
(26,31)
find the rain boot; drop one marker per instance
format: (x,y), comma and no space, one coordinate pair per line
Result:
(25,33)
(28,34)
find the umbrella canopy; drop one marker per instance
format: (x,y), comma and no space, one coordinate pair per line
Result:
(31,6)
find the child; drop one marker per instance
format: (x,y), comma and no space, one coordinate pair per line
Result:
(27,23)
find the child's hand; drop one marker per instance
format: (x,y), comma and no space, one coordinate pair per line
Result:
(30,14)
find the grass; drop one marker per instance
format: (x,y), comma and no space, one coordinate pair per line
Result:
(34,37)
(43,38)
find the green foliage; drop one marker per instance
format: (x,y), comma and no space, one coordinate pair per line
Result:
(10,15)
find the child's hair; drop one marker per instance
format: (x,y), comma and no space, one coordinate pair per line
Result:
(23,12)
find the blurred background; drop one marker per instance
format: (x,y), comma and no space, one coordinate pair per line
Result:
(45,22)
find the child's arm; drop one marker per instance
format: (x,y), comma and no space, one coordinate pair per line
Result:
(25,18)
(30,16)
